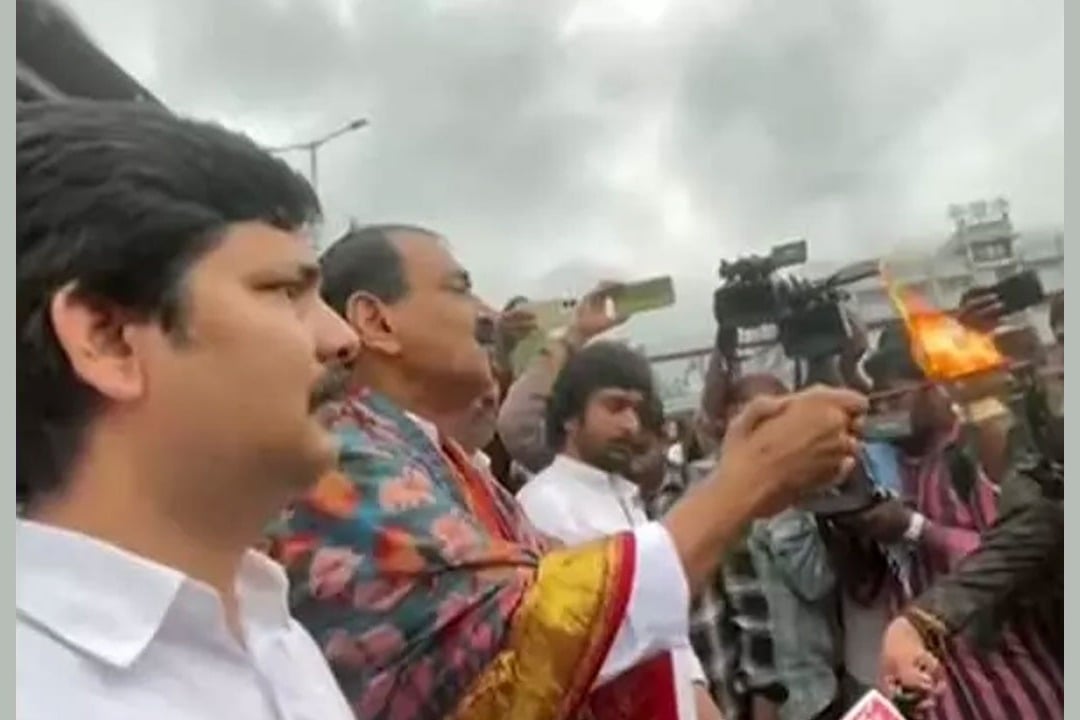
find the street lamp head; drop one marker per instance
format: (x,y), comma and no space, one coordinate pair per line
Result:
(357,124)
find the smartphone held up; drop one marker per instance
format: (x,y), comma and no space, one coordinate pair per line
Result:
(620,301)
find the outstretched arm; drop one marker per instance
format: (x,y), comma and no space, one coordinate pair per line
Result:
(1013,555)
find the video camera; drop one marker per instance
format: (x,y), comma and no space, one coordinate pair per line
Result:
(807,314)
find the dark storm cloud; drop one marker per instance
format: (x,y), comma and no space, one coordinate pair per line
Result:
(476,129)
(539,141)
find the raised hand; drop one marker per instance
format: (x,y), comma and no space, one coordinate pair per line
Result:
(780,449)
(516,324)
(774,453)
(592,315)
(981,309)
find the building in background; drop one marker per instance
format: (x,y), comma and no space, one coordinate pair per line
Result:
(55,59)
(983,249)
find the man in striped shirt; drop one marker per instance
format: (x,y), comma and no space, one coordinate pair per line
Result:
(989,590)
(948,504)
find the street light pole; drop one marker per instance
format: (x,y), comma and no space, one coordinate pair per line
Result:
(312,147)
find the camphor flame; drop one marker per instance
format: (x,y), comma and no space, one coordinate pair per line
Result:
(943,347)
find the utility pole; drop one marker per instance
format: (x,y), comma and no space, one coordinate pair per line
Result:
(312,147)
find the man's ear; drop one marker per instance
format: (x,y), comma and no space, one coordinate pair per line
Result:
(373,321)
(96,337)
(571,426)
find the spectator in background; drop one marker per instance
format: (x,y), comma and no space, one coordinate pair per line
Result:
(648,467)
(1057,317)
(474,427)
(796,575)
(991,589)
(947,503)
(602,410)
(1057,328)
(521,423)
(514,323)
(730,620)
(1056,356)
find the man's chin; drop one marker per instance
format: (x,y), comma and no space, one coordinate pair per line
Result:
(322,457)
(461,388)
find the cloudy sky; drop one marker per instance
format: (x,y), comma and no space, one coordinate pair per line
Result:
(554,140)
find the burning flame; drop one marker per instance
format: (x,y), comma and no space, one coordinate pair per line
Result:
(944,348)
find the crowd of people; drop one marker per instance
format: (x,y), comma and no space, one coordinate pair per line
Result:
(259,482)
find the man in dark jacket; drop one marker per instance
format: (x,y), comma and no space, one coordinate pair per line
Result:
(1022,550)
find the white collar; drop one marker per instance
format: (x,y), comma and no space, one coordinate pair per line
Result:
(583,472)
(479,459)
(110,603)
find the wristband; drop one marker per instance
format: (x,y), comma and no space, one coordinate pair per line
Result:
(915,527)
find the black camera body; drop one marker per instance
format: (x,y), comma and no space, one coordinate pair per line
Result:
(808,315)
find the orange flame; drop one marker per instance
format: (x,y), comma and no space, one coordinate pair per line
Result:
(944,348)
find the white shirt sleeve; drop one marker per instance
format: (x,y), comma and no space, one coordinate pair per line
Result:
(657,613)
(551,512)
(658,609)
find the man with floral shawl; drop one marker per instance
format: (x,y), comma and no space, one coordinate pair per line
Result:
(430,594)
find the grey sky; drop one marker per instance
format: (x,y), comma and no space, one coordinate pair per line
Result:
(551,140)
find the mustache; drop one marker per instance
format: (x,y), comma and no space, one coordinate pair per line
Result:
(626,446)
(331,387)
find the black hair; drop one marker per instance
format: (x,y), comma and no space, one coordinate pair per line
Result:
(365,259)
(599,366)
(892,360)
(885,367)
(652,414)
(117,201)
(894,336)
(515,302)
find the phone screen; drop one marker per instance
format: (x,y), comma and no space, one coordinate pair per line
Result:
(644,296)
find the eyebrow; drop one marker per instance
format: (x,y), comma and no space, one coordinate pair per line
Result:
(307,274)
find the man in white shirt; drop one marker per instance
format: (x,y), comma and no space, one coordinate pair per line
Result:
(602,404)
(174,356)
